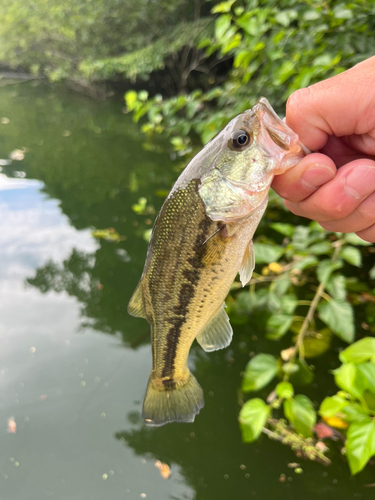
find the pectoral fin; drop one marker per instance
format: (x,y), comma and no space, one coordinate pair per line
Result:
(136,307)
(217,334)
(248,264)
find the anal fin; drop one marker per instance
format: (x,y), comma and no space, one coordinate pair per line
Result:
(217,334)
(136,306)
(248,264)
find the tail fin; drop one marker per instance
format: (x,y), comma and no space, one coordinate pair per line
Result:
(179,404)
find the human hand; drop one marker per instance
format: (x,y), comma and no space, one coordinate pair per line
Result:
(335,187)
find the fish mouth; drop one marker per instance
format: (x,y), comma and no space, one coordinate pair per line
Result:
(279,140)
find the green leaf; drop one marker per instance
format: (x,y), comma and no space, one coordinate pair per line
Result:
(253,417)
(332,405)
(360,444)
(340,12)
(282,228)
(301,237)
(285,17)
(281,285)
(326,268)
(317,345)
(350,379)
(265,253)
(369,400)
(353,239)
(368,371)
(337,287)
(130,99)
(301,414)
(290,368)
(360,351)
(222,24)
(372,273)
(223,7)
(285,390)
(339,316)
(352,255)
(259,372)
(321,248)
(278,325)
(305,262)
(304,375)
(288,303)
(355,413)
(311,15)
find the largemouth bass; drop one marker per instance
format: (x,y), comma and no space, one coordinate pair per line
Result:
(201,239)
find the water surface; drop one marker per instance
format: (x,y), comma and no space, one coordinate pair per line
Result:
(73,364)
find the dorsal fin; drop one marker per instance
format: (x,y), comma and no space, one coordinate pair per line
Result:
(248,264)
(136,306)
(217,334)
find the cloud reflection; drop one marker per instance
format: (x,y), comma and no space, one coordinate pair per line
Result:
(33,229)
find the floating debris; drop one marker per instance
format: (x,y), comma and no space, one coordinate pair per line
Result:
(164,469)
(42,397)
(4,163)
(17,155)
(109,234)
(142,208)
(20,174)
(293,465)
(123,254)
(67,133)
(12,426)
(4,120)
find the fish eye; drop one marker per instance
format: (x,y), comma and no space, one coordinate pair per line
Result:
(240,140)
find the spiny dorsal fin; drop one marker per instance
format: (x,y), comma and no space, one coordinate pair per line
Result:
(217,334)
(136,307)
(248,264)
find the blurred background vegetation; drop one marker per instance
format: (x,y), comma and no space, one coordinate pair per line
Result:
(187,67)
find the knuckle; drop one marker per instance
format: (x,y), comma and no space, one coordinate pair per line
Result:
(337,211)
(297,101)
(366,209)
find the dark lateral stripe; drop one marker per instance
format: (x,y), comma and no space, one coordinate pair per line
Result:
(191,274)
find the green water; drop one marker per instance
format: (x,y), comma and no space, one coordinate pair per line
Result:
(74,365)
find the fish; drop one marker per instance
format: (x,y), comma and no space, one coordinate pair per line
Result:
(201,239)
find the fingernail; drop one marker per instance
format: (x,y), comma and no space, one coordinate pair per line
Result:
(360,182)
(316,175)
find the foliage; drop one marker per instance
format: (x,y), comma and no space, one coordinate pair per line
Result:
(275,47)
(141,62)
(88,40)
(310,259)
